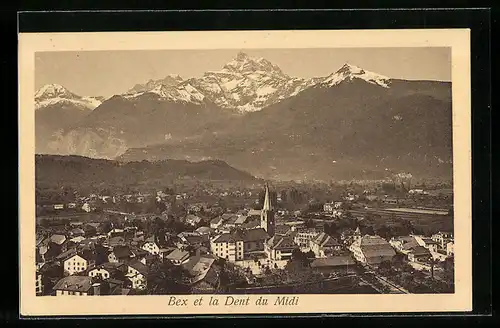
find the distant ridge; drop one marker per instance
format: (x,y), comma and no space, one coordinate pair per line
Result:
(57,170)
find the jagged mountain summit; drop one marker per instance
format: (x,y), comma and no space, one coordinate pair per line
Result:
(350,72)
(244,84)
(170,80)
(54,94)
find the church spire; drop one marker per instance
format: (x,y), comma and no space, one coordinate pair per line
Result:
(267,200)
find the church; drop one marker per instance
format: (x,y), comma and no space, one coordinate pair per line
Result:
(240,244)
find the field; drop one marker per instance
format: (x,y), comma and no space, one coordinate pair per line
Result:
(345,285)
(427,222)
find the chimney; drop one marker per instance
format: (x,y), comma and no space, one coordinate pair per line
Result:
(97,288)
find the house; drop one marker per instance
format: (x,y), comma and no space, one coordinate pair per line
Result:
(77,232)
(71,205)
(216,223)
(331,206)
(74,285)
(197,267)
(116,287)
(280,247)
(120,254)
(115,241)
(178,257)
(165,251)
(372,250)
(230,222)
(241,219)
(339,263)
(450,248)
(428,243)
(116,232)
(87,207)
(419,254)
(324,245)
(38,284)
(203,231)
(403,244)
(304,236)
(208,282)
(253,212)
(282,230)
(442,238)
(108,270)
(192,219)
(137,274)
(151,246)
(390,201)
(77,240)
(252,224)
(75,262)
(139,254)
(58,239)
(50,273)
(234,246)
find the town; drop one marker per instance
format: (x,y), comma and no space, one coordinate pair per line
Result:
(336,239)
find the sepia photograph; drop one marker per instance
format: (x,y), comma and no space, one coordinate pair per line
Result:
(221,174)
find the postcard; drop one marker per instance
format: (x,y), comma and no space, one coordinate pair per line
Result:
(245,172)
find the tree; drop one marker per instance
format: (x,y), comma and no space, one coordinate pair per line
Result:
(433,262)
(309,223)
(384,231)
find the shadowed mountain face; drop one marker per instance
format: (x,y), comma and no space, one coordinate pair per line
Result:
(350,124)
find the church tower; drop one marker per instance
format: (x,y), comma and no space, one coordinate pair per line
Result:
(267,215)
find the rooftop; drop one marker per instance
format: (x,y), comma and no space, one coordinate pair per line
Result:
(74,283)
(333,261)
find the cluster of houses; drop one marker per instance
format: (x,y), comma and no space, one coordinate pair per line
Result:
(83,260)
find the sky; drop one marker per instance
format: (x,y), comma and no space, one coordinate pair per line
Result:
(106,73)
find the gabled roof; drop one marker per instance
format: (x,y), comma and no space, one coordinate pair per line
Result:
(255,234)
(378,251)
(251,224)
(66,255)
(139,266)
(203,230)
(241,219)
(178,255)
(58,239)
(193,218)
(325,240)
(278,242)
(121,251)
(282,229)
(77,240)
(216,220)
(420,251)
(74,283)
(253,212)
(118,240)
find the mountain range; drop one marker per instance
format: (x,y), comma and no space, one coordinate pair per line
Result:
(352,123)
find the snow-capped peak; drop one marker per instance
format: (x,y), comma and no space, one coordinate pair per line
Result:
(53,90)
(348,72)
(52,94)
